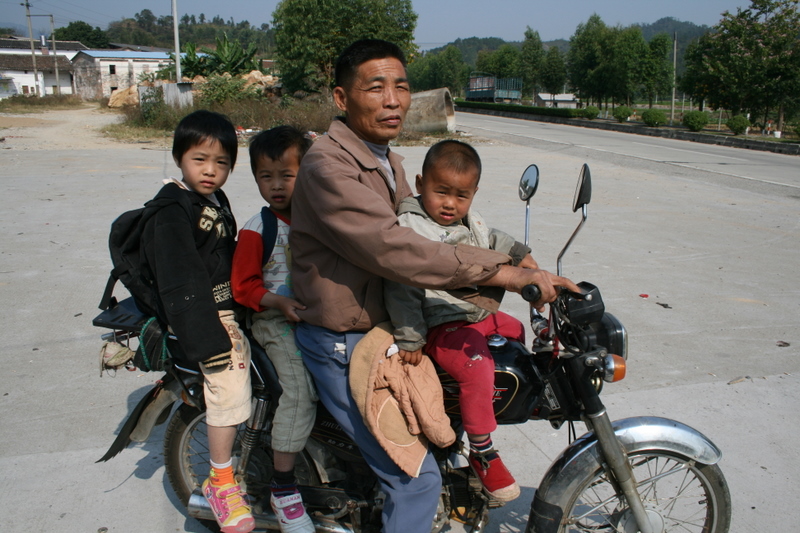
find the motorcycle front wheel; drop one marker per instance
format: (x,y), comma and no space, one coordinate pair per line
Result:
(187,461)
(679,495)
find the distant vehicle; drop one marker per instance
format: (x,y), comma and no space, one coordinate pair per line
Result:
(489,88)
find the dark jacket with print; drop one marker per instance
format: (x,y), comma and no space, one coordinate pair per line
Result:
(191,262)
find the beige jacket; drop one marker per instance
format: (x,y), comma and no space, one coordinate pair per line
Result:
(401,404)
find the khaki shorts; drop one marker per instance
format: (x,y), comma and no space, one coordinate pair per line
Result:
(227,388)
(297,407)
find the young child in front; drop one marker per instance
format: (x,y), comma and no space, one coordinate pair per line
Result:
(451,331)
(191,253)
(263,284)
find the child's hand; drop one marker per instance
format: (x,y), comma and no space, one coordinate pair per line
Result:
(287,306)
(411,358)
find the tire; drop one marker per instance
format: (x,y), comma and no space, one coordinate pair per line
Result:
(679,495)
(187,458)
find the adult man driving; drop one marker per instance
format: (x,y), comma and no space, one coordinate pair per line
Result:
(345,240)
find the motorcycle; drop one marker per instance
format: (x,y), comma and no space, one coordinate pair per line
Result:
(642,474)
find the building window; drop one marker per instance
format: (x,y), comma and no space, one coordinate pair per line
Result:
(24,89)
(112,69)
(113,89)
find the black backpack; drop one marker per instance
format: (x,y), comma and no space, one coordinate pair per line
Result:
(130,264)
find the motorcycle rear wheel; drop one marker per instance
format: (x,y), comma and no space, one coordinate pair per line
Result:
(186,457)
(679,495)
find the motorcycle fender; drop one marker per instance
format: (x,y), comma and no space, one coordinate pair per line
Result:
(149,417)
(584,455)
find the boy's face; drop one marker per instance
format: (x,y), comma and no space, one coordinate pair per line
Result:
(275,179)
(447,194)
(205,166)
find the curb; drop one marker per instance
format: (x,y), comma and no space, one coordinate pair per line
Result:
(666,132)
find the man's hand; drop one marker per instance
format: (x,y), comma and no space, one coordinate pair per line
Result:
(515,278)
(287,306)
(411,358)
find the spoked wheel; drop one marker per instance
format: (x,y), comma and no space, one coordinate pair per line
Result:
(187,458)
(679,495)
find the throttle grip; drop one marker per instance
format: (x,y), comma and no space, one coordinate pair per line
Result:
(531,293)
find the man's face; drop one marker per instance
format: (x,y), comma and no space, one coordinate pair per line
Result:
(376,101)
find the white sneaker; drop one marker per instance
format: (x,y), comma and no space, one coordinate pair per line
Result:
(291,513)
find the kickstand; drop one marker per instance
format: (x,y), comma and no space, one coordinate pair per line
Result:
(481,517)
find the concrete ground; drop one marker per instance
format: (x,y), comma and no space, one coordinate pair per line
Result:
(718,266)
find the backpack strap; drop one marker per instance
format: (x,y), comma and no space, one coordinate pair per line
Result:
(269,232)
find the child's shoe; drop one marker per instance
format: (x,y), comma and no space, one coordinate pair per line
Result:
(495,477)
(291,513)
(230,507)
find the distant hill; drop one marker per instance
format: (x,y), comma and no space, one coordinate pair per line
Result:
(686,31)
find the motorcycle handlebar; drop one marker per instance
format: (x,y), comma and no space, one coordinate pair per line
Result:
(531,293)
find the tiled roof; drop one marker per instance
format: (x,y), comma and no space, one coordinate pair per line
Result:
(25,44)
(25,62)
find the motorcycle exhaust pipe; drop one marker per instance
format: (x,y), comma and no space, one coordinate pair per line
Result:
(265,520)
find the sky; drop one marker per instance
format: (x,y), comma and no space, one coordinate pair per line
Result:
(439,21)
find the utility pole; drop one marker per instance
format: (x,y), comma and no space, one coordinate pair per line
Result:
(55,53)
(178,74)
(33,52)
(674,76)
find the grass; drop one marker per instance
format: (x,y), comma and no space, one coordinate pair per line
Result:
(38,104)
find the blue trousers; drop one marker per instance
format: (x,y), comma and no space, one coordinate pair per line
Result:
(411,503)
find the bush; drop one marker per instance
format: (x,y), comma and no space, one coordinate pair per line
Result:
(591,112)
(797,129)
(654,117)
(695,120)
(621,113)
(738,124)
(219,89)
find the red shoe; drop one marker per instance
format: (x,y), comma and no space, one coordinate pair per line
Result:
(495,477)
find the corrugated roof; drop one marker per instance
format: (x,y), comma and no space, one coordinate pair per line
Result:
(25,62)
(110,54)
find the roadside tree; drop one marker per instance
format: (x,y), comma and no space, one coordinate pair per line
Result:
(84,33)
(530,61)
(554,71)
(503,62)
(310,34)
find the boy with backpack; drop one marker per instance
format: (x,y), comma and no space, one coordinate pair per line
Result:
(189,247)
(453,331)
(261,281)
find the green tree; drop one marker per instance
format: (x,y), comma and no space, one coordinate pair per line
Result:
(310,34)
(83,32)
(530,61)
(585,57)
(503,62)
(554,71)
(621,67)
(443,69)
(751,60)
(657,68)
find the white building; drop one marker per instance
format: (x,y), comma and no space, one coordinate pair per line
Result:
(19,45)
(566,100)
(17,75)
(99,72)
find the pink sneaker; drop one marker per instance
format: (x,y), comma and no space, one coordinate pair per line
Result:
(230,507)
(291,513)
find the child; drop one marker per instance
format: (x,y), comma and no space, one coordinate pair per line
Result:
(266,288)
(191,257)
(453,331)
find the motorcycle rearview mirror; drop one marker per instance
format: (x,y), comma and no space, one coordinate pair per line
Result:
(528,184)
(583,191)
(583,194)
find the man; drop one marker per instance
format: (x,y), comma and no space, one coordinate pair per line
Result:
(345,240)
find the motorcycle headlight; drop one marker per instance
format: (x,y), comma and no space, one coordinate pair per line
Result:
(611,334)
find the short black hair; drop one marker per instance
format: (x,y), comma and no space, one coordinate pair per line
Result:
(359,53)
(201,126)
(454,155)
(274,142)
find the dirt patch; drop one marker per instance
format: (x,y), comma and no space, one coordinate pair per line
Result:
(77,129)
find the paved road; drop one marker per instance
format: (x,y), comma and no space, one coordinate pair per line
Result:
(717,259)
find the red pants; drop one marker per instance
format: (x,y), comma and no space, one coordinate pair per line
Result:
(460,348)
